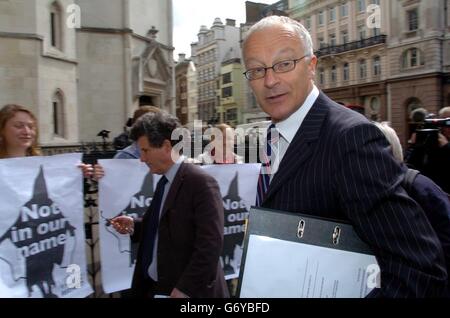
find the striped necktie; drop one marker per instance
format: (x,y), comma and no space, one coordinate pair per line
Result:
(265,173)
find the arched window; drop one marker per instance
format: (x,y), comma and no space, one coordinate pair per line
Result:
(412,104)
(376,66)
(346,72)
(375,104)
(56,26)
(59,115)
(362,69)
(412,58)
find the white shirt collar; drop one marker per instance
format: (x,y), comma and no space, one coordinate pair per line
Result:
(289,127)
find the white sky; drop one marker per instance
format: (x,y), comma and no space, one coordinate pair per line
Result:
(189,15)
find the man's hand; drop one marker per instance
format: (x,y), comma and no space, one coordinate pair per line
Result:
(412,140)
(95,172)
(98,172)
(442,140)
(123,224)
(178,294)
(87,170)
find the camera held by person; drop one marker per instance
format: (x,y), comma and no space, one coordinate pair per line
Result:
(429,149)
(428,130)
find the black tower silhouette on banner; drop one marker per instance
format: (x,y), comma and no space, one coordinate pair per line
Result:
(235,216)
(138,205)
(40,234)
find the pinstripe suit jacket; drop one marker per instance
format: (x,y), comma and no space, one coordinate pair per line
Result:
(340,166)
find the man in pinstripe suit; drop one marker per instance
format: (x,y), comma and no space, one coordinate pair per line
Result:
(331,162)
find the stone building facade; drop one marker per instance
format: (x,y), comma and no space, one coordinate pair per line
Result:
(388,56)
(84,66)
(208,54)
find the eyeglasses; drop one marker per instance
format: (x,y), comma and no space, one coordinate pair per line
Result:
(280,67)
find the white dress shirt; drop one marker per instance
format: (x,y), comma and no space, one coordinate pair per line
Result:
(289,127)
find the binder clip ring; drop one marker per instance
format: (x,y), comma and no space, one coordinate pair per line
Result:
(336,235)
(301,228)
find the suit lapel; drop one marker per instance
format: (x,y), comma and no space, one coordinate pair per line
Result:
(301,147)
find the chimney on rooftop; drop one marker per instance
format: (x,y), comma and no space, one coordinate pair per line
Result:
(231,22)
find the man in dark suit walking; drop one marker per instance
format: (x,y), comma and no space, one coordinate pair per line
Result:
(181,235)
(331,162)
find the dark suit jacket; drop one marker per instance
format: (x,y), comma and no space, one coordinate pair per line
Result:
(436,204)
(432,162)
(340,166)
(190,238)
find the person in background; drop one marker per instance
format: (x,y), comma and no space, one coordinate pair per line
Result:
(19,137)
(181,235)
(18,132)
(331,162)
(444,136)
(429,150)
(444,145)
(222,151)
(132,151)
(428,194)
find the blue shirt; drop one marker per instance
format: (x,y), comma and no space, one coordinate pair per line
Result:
(130,152)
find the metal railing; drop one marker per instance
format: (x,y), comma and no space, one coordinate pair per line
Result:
(91,153)
(355,45)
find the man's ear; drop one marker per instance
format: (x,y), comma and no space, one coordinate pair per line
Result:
(167,145)
(312,67)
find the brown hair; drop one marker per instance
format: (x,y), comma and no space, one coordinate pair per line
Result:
(144,110)
(8,112)
(223,127)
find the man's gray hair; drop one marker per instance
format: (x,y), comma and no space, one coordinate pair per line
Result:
(275,20)
(444,112)
(393,139)
(158,127)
